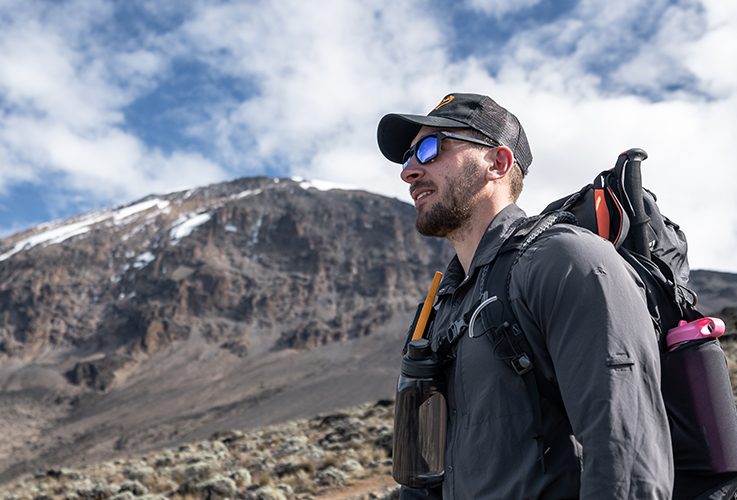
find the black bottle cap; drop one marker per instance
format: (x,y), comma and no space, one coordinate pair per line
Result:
(419,361)
(419,349)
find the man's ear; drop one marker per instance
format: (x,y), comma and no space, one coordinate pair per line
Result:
(499,162)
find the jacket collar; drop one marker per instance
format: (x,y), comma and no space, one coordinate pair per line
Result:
(498,231)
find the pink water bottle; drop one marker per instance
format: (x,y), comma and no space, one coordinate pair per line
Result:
(698,396)
(695,330)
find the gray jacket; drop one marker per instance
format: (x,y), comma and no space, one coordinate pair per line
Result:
(583,311)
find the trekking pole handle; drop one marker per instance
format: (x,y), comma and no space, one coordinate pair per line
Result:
(633,186)
(636,154)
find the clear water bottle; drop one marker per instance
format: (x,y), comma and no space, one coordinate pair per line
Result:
(420,419)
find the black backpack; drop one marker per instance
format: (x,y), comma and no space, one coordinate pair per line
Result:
(616,207)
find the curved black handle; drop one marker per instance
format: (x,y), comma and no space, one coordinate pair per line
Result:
(636,154)
(633,187)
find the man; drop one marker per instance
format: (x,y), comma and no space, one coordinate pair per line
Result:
(581,308)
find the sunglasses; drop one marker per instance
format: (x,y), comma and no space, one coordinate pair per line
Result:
(428,147)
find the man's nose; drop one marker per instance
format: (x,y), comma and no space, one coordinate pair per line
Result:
(413,171)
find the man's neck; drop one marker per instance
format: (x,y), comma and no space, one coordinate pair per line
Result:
(466,239)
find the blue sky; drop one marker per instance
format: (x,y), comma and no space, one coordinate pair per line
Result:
(104,102)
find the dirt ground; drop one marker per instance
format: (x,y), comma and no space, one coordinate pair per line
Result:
(357,489)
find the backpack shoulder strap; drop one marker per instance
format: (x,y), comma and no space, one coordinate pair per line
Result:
(519,240)
(528,232)
(511,345)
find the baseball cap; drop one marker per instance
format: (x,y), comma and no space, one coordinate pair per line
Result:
(479,112)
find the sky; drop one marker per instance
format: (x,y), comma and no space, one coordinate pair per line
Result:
(105,102)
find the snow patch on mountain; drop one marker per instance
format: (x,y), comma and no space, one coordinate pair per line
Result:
(184,226)
(58,233)
(247,192)
(143,260)
(323,185)
(121,214)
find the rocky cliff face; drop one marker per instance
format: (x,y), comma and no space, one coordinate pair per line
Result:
(252,265)
(246,302)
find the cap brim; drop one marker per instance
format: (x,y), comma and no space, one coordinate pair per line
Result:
(396,132)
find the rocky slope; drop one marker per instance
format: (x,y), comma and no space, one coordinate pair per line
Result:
(716,290)
(234,263)
(339,455)
(243,303)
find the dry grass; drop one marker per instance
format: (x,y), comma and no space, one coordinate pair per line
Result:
(295,460)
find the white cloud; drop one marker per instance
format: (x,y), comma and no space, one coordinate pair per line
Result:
(64,92)
(499,8)
(712,56)
(578,120)
(325,76)
(42,75)
(594,80)
(576,128)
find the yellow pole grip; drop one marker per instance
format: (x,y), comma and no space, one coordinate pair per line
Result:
(427,307)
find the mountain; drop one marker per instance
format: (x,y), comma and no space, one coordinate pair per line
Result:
(232,305)
(215,260)
(715,290)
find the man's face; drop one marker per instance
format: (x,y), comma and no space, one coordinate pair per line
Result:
(446,187)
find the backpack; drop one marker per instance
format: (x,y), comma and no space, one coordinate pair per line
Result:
(703,418)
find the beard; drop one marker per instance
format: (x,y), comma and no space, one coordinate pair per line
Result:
(456,205)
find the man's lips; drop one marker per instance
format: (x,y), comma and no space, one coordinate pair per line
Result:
(420,194)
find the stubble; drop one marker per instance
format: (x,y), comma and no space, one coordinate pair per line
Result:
(456,205)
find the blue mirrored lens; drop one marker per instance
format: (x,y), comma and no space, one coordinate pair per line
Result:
(428,149)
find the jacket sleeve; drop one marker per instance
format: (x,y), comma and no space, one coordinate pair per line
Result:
(587,306)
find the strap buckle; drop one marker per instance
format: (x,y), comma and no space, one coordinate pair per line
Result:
(522,364)
(457,328)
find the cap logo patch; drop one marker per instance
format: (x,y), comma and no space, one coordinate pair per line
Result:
(444,102)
